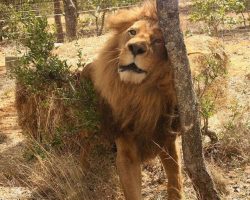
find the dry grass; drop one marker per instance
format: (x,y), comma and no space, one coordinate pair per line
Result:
(57,177)
(60,175)
(50,118)
(52,176)
(218,178)
(233,147)
(26,109)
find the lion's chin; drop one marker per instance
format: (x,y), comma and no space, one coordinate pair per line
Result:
(132,77)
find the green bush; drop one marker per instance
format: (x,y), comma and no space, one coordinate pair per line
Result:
(208,86)
(61,104)
(39,68)
(239,7)
(214,13)
(9,22)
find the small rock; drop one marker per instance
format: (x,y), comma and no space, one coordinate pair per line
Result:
(247,170)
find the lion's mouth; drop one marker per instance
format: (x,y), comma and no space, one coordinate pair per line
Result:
(131,67)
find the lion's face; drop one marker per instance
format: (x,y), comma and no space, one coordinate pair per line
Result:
(142,51)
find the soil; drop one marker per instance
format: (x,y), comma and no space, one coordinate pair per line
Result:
(11,138)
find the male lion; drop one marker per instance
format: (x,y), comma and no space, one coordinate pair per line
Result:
(133,76)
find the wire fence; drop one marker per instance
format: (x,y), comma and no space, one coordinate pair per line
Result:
(90,15)
(67,19)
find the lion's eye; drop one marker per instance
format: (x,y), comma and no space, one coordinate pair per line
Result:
(132,32)
(158,41)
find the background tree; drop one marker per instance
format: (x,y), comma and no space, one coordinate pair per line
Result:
(58,21)
(99,10)
(70,9)
(189,111)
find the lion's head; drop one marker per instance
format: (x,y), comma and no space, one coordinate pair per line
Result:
(141,45)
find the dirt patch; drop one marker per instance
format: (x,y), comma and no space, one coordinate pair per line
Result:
(11,141)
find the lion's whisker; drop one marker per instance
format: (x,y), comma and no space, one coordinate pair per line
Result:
(113,59)
(116,50)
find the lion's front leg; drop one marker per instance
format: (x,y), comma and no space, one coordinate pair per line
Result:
(129,169)
(170,160)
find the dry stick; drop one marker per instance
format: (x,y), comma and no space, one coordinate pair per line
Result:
(168,13)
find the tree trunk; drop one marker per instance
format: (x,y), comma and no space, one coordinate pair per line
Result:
(168,13)
(70,9)
(59,27)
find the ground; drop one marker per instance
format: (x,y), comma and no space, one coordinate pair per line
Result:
(12,140)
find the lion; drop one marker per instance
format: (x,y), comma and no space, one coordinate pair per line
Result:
(134,78)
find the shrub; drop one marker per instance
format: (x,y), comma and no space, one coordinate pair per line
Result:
(38,67)
(233,146)
(239,7)
(214,13)
(9,19)
(53,104)
(207,82)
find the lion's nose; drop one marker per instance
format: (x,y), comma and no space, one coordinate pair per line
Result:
(138,48)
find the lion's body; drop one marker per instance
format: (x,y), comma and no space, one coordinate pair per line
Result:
(133,77)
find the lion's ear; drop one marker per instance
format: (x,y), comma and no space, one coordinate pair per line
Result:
(122,20)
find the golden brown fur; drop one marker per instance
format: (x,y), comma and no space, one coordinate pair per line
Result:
(138,105)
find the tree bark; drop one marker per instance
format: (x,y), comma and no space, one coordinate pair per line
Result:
(58,21)
(168,13)
(70,9)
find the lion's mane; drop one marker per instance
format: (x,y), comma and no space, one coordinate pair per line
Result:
(142,109)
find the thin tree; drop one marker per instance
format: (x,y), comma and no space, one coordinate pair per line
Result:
(70,9)
(58,21)
(168,13)
(97,15)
